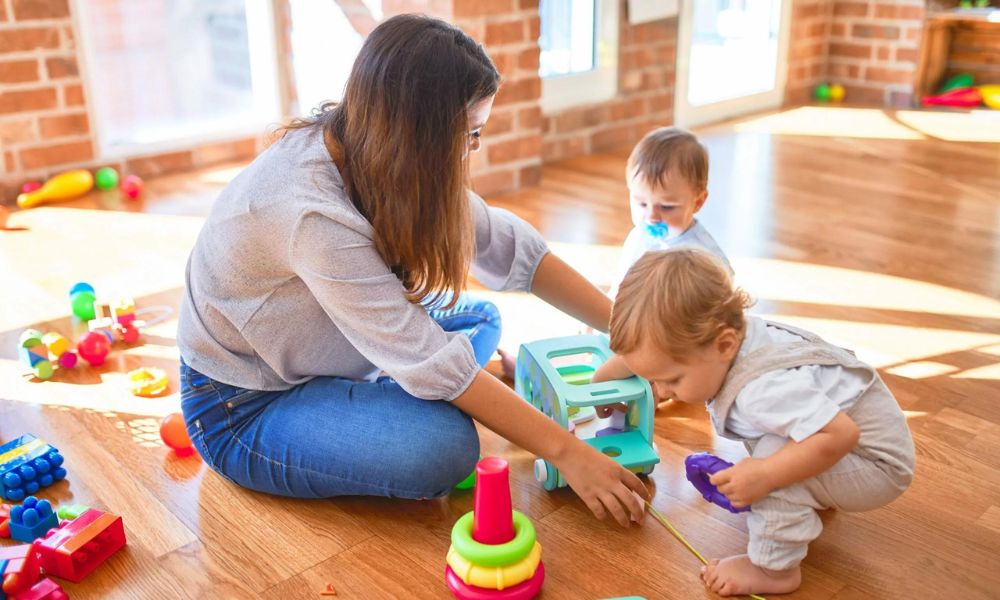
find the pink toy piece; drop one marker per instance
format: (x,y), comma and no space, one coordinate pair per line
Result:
(30,186)
(961,98)
(94,347)
(493,521)
(67,360)
(131,186)
(46,589)
(21,569)
(522,591)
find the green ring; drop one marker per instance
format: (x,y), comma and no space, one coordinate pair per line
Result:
(487,555)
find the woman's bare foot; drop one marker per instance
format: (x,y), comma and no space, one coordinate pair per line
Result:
(508,363)
(737,576)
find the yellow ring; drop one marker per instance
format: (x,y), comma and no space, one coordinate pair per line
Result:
(495,578)
(148,381)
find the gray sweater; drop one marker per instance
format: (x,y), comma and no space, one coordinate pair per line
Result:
(284,284)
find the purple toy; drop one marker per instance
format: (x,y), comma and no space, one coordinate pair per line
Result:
(699,468)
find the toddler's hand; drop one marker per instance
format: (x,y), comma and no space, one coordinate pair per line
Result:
(604,485)
(744,483)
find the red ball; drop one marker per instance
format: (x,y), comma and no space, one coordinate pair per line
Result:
(174,433)
(130,334)
(30,186)
(67,360)
(94,347)
(131,186)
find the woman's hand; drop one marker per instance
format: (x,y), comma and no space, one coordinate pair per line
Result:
(604,486)
(744,483)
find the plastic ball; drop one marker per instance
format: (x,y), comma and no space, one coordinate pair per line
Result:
(83,305)
(822,92)
(94,347)
(30,186)
(837,92)
(43,369)
(130,334)
(67,360)
(106,178)
(174,433)
(81,286)
(56,343)
(132,186)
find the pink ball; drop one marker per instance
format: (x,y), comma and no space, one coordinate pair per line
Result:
(131,186)
(30,186)
(130,334)
(94,347)
(67,360)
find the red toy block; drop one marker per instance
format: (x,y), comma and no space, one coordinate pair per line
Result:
(21,570)
(5,520)
(493,521)
(46,589)
(77,547)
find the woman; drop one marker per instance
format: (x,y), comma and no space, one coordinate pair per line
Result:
(339,254)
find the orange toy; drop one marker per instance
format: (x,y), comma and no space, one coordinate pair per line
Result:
(174,434)
(62,187)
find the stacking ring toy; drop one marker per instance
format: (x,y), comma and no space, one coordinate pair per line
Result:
(499,555)
(522,591)
(699,467)
(495,577)
(148,381)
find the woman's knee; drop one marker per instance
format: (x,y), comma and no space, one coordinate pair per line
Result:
(438,460)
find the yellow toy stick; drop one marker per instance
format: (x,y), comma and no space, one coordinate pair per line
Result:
(62,187)
(680,537)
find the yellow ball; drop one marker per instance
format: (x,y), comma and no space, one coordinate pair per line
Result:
(837,92)
(56,343)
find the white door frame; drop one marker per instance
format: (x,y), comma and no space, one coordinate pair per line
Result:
(686,115)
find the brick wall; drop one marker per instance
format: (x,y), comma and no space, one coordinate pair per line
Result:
(45,124)
(874,48)
(808,48)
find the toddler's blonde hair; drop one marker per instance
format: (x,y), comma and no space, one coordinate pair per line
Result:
(679,300)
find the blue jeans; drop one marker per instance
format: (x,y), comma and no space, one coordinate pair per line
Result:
(332,436)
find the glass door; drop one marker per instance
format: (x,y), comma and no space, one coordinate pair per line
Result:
(731,58)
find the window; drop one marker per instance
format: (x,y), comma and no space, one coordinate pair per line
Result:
(579,52)
(165,73)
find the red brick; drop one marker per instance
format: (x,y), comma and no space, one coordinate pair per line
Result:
(850,9)
(61,67)
(73,95)
(68,39)
(804,11)
(40,9)
(882,32)
(661,102)
(631,81)
(613,137)
(529,118)
(530,176)
(516,149)
(17,131)
(479,8)
(569,120)
(901,13)
(507,32)
(64,125)
(56,154)
(160,164)
(651,32)
(534,28)
(208,154)
(844,71)
(501,121)
(32,38)
(667,55)
(495,182)
(527,4)
(504,62)
(859,94)
(3,11)
(25,100)
(519,91)
(850,50)
(528,59)
(838,30)
(18,71)
(627,109)
(883,75)
(8,159)
(882,53)
(565,148)
(816,29)
(910,55)
(915,34)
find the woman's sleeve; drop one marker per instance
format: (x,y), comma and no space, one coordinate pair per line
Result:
(367,303)
(508,250)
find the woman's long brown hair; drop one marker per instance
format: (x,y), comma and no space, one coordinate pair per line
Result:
(403,134)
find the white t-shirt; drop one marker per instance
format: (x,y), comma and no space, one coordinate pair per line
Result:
(793,403)
(641,241)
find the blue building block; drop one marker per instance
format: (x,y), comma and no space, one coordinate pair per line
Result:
(28,464)
(3,569)
(32,520)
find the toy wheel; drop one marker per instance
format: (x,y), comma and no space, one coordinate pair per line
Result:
(546,474)
(647,470)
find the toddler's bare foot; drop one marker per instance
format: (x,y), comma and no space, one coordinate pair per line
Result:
(737,576)
(508,363)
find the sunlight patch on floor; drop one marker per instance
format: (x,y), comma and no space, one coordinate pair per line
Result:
(974,126)
(830,121)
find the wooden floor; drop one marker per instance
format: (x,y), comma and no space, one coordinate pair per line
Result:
(881,231)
